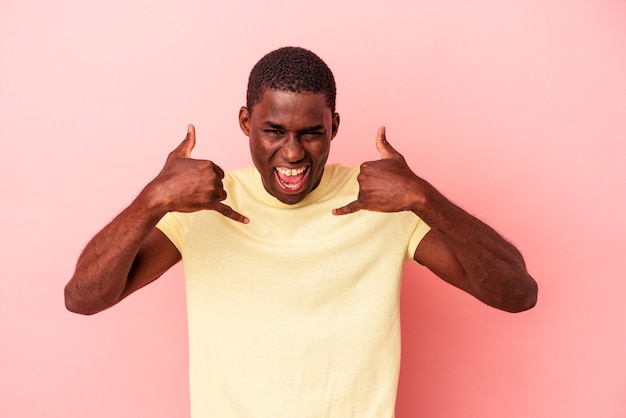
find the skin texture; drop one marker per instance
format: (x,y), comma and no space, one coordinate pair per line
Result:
(460,249)
(294,131)
(289,131)
(130,252)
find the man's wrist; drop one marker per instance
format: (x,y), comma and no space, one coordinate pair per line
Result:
(152,202)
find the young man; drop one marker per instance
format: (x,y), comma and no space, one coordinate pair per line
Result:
(292,266)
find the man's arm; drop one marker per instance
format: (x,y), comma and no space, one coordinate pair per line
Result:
(130,252)
(124,256)
(459,248)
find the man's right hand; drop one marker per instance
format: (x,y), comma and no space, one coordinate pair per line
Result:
(189,185)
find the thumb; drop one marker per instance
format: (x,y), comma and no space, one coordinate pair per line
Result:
(384,148)
(189,142)
(183,150)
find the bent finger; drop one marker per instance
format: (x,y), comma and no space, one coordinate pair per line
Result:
(218,170)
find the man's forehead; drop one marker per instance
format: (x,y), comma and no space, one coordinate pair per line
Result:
(288,93)
(286,102)
(292,110)
(276,94)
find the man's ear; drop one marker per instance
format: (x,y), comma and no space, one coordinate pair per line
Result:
(244,120)
(335,125)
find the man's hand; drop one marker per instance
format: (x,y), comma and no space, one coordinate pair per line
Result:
(385,185)
(188,185)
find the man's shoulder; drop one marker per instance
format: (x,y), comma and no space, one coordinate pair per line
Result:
(339,173)
(240,177)
(342,169)
(241,172)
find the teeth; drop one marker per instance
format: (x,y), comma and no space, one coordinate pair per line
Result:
(287,172)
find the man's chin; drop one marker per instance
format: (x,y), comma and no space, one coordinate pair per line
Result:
(290,198)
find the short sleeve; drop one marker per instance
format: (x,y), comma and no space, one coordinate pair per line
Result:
(421,229)
(172,226)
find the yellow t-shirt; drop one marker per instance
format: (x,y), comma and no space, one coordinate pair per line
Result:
(295,314)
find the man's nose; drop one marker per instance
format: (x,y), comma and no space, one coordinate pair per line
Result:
(293,151)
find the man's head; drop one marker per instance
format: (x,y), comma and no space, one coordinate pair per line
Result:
(290,120)
(291,69)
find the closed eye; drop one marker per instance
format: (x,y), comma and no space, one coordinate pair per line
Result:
(273,131)
(311,134)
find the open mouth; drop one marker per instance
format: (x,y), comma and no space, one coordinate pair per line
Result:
(292,179)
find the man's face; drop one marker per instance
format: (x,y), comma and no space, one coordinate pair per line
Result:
(290,136)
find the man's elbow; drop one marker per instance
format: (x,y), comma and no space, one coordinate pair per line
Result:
(523,297)
(78,305)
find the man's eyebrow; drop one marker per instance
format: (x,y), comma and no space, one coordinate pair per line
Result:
(313,128)
(275,125)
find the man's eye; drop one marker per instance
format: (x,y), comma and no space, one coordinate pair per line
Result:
(313,134)
(273,131)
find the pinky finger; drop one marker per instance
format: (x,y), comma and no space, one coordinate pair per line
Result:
(231,213)
(349,208)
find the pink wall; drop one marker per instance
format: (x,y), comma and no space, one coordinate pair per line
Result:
(516,110)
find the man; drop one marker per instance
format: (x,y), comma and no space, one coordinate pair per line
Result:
(292,266)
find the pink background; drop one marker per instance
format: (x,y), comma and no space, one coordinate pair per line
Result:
(514,109)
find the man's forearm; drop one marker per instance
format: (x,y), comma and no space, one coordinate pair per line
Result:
(495,269)
(103,267)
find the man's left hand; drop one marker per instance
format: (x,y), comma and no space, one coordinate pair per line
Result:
(387,184)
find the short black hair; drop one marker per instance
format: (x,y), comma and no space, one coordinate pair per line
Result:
(291,69)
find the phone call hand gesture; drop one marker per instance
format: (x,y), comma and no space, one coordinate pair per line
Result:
(188,185)
(387,184)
